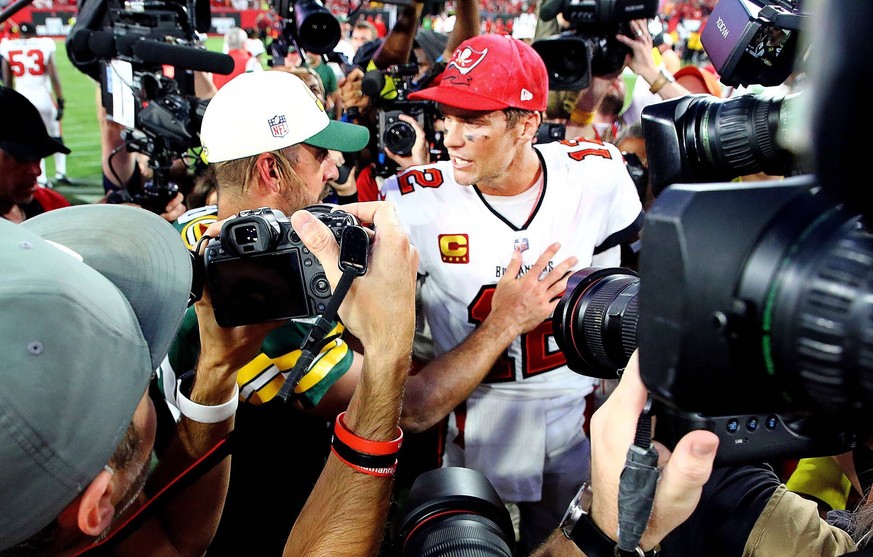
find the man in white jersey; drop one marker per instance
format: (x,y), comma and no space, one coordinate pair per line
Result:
(29,67)
(499,227)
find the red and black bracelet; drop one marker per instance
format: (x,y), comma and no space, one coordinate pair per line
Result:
(376,458)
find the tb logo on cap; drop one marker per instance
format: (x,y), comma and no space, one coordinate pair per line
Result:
(467,59)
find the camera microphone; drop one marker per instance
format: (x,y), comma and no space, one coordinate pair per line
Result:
(155,52)
(105,44)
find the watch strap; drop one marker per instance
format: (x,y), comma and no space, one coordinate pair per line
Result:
(578,527)
(594,543)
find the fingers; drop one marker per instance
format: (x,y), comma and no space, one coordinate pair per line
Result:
(630,395)
(539,266)
(379,213)
(513,268)
(175,208)
(681,482)
(412,122)
(318,238)
(690,463)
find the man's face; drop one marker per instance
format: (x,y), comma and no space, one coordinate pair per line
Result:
(480,145)
(315,167)
(361,36)
(133,473)
(17,179)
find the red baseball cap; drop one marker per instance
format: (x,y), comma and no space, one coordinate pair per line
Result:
(491,72)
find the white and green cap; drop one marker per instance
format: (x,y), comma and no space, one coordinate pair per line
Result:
(90,300)
(257,112)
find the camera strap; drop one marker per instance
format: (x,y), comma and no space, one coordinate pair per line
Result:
(317,337)
(637,484)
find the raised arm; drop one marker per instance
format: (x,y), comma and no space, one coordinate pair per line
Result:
(186,524)
(346,511)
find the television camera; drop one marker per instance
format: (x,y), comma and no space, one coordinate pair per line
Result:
(307,27)
(589,47)
(753,42)
(751,309)
(126,48)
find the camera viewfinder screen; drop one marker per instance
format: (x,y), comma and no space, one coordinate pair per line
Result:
(257,289)
(245,235)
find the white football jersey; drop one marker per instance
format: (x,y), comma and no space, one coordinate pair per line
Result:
(28,60)
(589,204)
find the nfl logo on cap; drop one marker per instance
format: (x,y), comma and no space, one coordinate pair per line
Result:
(278,126)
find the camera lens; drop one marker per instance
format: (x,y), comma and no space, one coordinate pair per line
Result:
(454,512)
(399,137)
(595,322)
(699,138)
(566,57)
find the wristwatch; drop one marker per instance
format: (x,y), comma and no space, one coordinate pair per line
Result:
(578,527)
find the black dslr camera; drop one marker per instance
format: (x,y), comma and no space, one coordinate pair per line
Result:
(258,269)
(392,132)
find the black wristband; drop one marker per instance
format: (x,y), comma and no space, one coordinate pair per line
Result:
(362,459)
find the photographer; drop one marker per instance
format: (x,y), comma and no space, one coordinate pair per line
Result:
(405,42)
(656,84)
(74,471)
(742,510)
(96,292)
(285,165)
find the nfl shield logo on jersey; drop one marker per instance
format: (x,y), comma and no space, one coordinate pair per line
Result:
(521,244)
(278,126)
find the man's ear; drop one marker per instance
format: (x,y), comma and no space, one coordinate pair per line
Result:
(531,123)
(268,175)
(92,511)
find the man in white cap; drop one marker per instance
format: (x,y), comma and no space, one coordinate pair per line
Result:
(267,137)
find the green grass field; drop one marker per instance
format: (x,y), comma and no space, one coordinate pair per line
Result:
(81,130)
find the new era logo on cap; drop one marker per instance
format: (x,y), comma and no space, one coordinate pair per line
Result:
(526,95)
